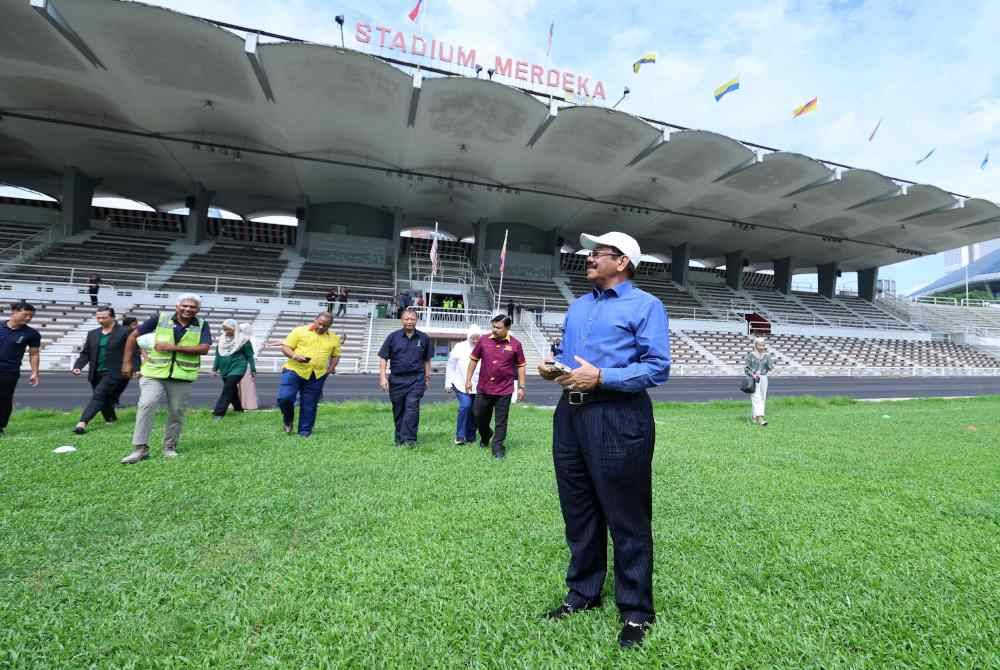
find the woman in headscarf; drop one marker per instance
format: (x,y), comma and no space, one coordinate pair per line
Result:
(758,363)
(233,355)
(458,364)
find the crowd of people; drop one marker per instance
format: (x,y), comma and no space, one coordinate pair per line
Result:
(615,345)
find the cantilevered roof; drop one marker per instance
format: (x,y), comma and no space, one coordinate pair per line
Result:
(151,102)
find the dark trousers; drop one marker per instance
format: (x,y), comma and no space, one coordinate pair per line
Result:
(8,380)
(230,396)
(93,298)
(329,307)
(603,455)
(483,407)
(405,392)
(342,309)
(308,392)
(120,389)
(102,399)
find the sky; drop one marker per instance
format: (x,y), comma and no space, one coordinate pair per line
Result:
(929,69)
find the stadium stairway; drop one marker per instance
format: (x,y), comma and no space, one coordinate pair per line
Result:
(286,282)
(180,252)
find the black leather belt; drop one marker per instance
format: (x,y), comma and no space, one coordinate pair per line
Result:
(577,398)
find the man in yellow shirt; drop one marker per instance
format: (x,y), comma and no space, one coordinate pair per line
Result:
(313,353)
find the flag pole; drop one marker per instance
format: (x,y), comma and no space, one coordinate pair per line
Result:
(430,289)
(968,259)
(503,264)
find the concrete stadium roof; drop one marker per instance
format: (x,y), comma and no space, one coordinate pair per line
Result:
(171,80)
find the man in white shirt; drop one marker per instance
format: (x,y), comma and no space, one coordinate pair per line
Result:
(458,364)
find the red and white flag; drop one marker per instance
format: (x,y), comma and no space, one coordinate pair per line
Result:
(503,251)
(415,12)
(434,253)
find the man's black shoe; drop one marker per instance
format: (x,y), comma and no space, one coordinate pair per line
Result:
(633,633)
(483,445)
(79,431)
(566,609)
(499,454)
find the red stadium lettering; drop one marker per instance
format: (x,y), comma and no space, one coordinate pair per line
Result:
(521,71)
(599,91)
(503,67)
(568,82)
(399,42)
(553,79)
(536,74)
(423,46)
(385,31)
(466,59)
(363,33)
(451,53)
(581,86)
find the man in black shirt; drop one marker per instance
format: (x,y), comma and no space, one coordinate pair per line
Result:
(16,336)
(408,352)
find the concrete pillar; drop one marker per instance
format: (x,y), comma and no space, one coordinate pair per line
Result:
(557,243)
(827,279)
(783,274)
(78,193)
(866,283)
(680,258)
(302,231)
(197,223)
(734,270)
(398,223)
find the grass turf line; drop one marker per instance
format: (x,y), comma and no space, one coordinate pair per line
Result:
(835,537)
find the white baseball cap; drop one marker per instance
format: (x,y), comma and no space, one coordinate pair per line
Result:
(624,243)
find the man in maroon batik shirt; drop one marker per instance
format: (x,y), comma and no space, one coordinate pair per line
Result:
(502,359)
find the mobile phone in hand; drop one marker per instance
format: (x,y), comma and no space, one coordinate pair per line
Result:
(561,367)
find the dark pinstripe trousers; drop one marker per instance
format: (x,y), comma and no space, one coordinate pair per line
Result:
(603,455)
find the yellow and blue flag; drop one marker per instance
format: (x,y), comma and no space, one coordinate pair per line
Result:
(806,108)
(648,58)
(728,87)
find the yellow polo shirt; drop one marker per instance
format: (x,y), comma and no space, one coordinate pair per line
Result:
(319,348)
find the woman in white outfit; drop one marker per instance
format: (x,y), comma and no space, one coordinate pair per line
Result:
(454,382)
(758,364)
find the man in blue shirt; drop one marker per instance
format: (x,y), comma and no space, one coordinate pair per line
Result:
(617,342)
(407,352)
(16,336)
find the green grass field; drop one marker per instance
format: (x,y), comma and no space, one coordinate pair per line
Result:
(842,535)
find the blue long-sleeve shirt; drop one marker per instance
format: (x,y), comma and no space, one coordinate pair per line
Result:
(624,332)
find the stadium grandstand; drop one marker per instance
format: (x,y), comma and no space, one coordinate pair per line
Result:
(726,225)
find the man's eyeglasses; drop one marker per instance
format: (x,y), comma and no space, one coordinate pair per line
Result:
(598,254)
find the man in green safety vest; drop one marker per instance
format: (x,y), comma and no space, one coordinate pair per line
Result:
(169,371)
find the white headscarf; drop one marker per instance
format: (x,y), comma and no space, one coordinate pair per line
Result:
(228,345)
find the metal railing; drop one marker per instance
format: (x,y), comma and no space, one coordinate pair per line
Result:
(457,271)
(53,276)
(18,249)
(538,339)
(695,370)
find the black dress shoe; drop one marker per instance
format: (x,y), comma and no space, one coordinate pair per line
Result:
(79,431)
(566,609)
(499,454)
(633,633)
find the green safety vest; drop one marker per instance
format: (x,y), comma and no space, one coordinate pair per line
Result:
(174,364)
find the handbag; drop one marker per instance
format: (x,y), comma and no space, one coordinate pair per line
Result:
(749,384)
